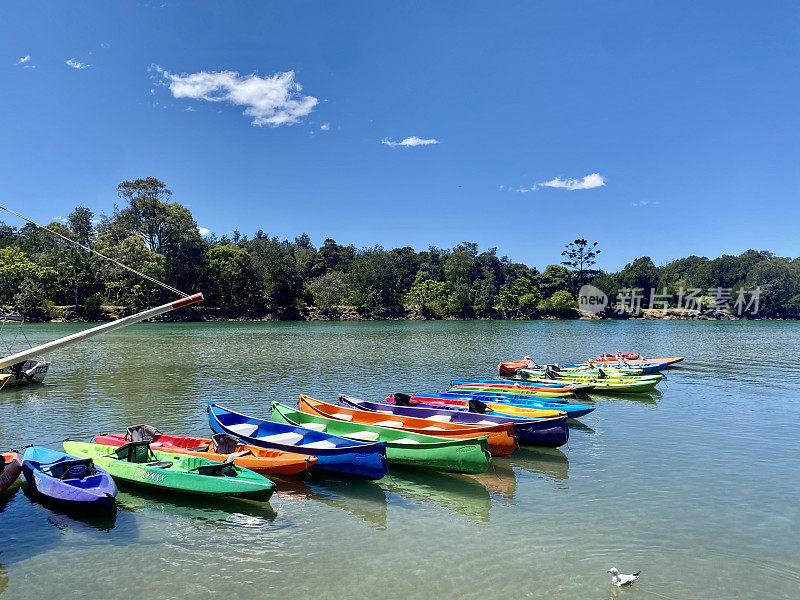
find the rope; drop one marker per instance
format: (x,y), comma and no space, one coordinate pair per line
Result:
(108,258)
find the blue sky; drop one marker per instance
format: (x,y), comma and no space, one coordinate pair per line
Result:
(686,113)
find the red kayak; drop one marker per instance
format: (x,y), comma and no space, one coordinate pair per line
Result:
(12,467)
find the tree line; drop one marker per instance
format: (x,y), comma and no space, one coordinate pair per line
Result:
(265,276)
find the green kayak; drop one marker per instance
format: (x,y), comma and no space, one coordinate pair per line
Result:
(621,384)
(469,455)
(136,462)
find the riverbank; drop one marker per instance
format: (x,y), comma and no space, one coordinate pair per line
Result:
(71,314)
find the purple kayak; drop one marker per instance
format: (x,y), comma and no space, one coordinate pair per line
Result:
(551,432)
(68,479)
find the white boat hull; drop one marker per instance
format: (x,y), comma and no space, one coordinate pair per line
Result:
(33,371)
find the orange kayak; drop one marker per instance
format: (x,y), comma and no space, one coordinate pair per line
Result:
(260,460)
(502,440)
(12,467)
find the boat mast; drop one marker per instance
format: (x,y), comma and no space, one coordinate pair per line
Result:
(93,331)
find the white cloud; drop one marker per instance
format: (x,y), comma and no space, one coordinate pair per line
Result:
(24,59)
(273,100)
(189,109)
(588,182)
(644,203)
(325,127)
(105,45)
(409,142)
(76,64)
(204,231)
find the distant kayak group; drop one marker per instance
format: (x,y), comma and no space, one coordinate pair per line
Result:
(458,429)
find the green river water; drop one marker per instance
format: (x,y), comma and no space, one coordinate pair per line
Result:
(696,485)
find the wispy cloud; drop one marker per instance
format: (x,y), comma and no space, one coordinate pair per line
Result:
(189,109)
(585,183)
(204,231)
(409,142)
(645,203)
(273,100)
(25,62)
(325,127)
(588,182)
(75,64)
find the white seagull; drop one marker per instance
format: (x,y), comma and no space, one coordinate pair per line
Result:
(622,580)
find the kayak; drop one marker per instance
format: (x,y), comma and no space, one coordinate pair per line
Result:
(500,402)
(469,455)
(10,469)
(623,384)
(500,435)
(334,453)
(551,432)
(219,448)
(511,367)
(137,462)
(576,388)
(505,387)
(643,361)
(68,478)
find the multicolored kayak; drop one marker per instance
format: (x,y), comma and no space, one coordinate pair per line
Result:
(136,462)
(501,402)
(618,384)
(334,453)
(68,478)
(470,455)
(551,432)
(502,441)
(220,447)
(10,468)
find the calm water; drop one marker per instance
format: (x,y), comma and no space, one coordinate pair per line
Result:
(697,486)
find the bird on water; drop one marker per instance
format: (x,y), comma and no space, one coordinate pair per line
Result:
(620,579)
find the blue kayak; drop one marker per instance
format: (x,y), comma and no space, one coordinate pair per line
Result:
(550,431)
(574,411)
(69,479)
(334,453)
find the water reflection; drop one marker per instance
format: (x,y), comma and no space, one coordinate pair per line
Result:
(456,493)
(64,517)
(579,426)
(645,398)
(199,511)
(500,479)
(358,497)
(549,463)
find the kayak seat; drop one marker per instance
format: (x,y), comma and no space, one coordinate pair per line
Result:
(320,444)
(363,436)
(141,433)
(316,426)
(287,438)
(217,469)
(389,424)
(71,469)
(243,428)
(199,449)
(224,443)
(162,464)
(135,452)
(440,418)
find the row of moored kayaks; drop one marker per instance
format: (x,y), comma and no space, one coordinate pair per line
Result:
(457,430)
